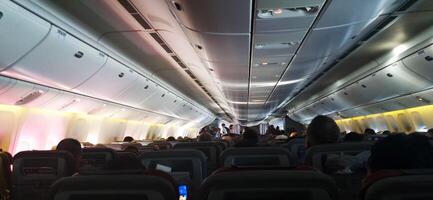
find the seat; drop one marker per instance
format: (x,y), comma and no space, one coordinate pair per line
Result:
(97,158)
(163,145)
(210,149)
(187,164)
(34,172)
(296,146)
(114,186)
(276,184)
(5,175)
(127,161)
(349,179)
(400,185)
(256,156)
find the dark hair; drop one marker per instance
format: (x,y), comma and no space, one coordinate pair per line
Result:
(369,131)
(386,132)
(171,138)
(401,151)
(128,139)
(70,145)
(322,130)
(430,131)
(353,137)
(250,134)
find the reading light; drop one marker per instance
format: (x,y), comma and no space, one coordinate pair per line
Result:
(277,11)
(264,63)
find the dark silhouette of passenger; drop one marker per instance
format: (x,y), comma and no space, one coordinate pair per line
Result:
(128,139)
(401,151)
(353,137)
(322,130)
(429,133)
(171,139)
(204,135)
(72,146)
(369,131)
(225,130)
(249,138)
(386,132)
(132,149)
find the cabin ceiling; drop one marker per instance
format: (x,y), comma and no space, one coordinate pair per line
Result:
(253,58)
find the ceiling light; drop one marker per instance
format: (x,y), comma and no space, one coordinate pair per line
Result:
(287,12)
(259,46)
(264,63)
(277,11)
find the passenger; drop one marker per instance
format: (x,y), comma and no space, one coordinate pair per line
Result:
(180,138)
(128,139)
(232,129)
(386,132)
(322,130)
(429,133)
(249,138)
(401,151)
(171,139)
(369,131)
(225,130)
(277,130)
(353,137)
(204,135)
(72,146)
(132,149)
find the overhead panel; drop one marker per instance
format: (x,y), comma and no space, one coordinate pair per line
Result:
(140,90)
(20,31)
(61,60)
(421,62)
(280,27)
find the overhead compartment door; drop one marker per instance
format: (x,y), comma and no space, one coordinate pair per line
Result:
(61,60)
(108,82)
(20,31)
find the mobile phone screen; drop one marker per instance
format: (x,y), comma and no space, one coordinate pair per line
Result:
(183,192)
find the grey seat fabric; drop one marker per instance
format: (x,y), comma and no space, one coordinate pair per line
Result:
(314,154)
(113,187)
(5,175)
(188,161)
(411,185)
(210,149)
(35,171)
(349,182)
(256,156)
(268,184)
(97,158)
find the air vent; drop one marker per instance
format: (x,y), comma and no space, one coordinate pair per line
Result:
(407,5)
(175,58)
(166,48)
(157,38)
(128,6)
(30,97)
(70,103)
(141,21)
(183,66)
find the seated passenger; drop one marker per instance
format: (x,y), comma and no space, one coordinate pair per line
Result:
(171,139)
(429,133)
(249,138)
(74,147)
(369,131)
(128,139)
(322,130)
(386,132)
(204,136)
(132,149)
(353,137)
(401,152)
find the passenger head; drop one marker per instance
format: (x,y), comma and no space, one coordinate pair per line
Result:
(429,133)
(369,131)
(353,137)
(386,132)
(204,136)
(250,135)
(223,125)
(401,151)
(72,146)
(128,139)
(170,139)
(132,149)
(322,130)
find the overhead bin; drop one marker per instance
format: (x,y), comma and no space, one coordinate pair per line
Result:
(16,92)
(60,60)
(225,16)
(140,90)
(20,31)
(421,62)
(109,81)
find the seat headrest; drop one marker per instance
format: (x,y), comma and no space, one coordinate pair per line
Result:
(48,163)
(249,156)
(239,183)
(336,148)
(398,184)
(151,185)
(98,157)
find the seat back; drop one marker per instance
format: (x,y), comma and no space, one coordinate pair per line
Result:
(210,149)
(354,156)
(34,172)
(5,175)
(256,156)
(408,185)
(97,158)
(162,145)
(268,184)
(189,162)
(113,187)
